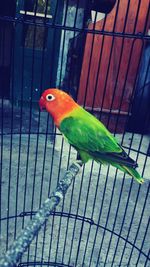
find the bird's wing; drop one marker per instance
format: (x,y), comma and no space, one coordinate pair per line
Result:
(90,135)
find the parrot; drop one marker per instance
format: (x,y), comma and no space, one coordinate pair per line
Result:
(86,133)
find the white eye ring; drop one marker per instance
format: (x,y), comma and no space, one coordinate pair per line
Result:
(50,97)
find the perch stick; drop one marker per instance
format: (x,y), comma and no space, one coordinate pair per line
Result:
(26,236)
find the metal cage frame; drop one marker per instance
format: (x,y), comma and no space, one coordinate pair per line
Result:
(50,133)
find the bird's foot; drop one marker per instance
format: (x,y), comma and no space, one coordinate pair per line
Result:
(79,162)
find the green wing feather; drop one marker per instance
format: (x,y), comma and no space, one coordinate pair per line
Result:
(85,132)
(91,138)
(93,141)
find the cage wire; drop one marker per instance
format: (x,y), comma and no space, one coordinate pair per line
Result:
(103,61)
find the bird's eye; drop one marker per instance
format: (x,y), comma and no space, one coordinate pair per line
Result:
(50,97)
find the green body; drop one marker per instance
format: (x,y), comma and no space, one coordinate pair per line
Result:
(93,141)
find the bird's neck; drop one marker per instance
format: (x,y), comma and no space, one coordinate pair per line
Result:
(65,112)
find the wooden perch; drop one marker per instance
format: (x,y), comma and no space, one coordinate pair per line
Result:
(26,236)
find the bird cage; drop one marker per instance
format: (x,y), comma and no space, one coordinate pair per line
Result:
(99,53)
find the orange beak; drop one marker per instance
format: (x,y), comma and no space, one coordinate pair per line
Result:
(42,103)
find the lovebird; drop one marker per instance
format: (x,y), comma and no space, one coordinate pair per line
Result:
(86,133)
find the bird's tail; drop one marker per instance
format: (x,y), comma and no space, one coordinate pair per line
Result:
(133,173)
(127,169)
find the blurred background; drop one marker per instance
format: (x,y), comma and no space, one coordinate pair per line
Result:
(35,55)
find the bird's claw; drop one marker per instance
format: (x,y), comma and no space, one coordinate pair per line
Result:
(79,162)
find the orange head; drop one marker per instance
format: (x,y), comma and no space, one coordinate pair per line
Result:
(58,103)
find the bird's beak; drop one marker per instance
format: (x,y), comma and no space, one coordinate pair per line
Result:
(42,103)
